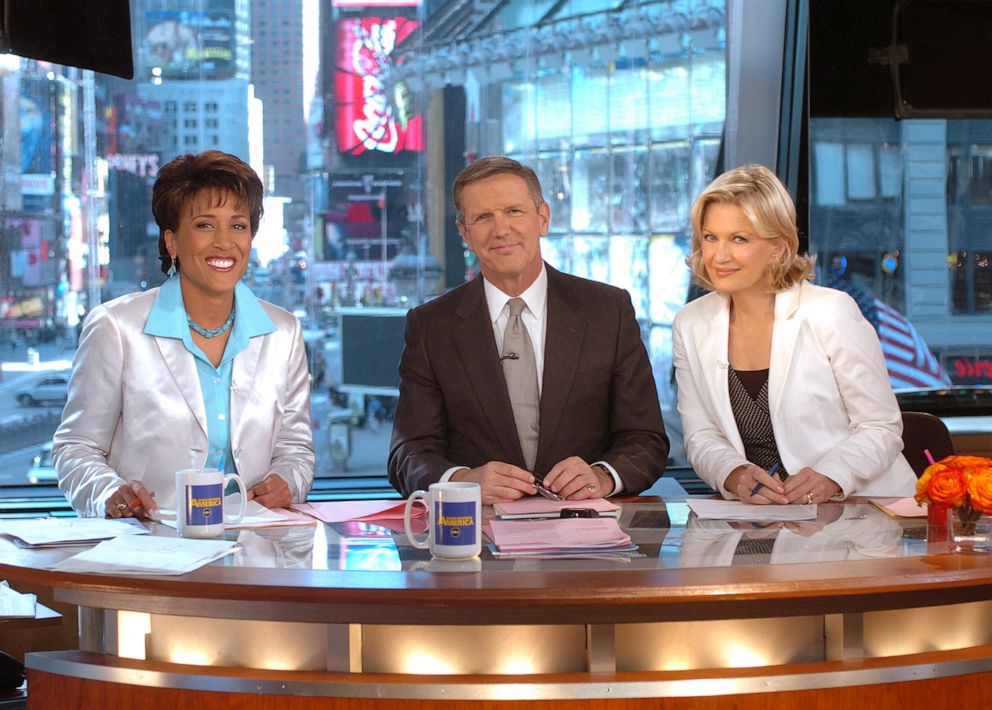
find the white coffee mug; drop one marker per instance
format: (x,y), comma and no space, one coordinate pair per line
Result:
(454,512)
(200,502)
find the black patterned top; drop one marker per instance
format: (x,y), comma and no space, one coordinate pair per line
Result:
(749,402)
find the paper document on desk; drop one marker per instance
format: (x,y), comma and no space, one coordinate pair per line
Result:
(538,507)
(586,534)
(151,554)
(366,511)
(256,516)
(15,604)
(52,532)
(709,509)
(900,507)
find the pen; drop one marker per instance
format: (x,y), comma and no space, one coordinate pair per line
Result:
(771,472)
(547,492)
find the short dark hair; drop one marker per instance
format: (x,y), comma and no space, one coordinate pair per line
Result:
(183,178)
(489,166)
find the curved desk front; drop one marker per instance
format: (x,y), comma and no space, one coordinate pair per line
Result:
(854,607)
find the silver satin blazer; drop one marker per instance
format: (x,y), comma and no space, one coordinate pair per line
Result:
(135,410)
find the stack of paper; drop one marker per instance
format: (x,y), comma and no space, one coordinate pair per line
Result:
(537,507)
(139,554)
(256,516)
(13,603)
(558,537)
(54,532)
(710,509)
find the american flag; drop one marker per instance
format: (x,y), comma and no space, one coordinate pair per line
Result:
(907,357)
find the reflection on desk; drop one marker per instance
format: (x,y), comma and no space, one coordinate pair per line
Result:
(840,532)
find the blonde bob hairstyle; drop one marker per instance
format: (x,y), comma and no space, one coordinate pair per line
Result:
(764,200)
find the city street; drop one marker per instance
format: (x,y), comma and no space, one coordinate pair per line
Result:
(368,447)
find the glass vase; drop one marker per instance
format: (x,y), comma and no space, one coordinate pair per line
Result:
(970,531)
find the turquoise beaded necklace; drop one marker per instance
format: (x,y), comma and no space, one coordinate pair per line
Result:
(211,333)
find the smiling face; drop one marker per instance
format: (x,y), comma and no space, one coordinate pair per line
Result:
(503,227)
(735,256)
(213,244)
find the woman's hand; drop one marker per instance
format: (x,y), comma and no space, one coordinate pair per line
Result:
(809,486)
(753,484)
(273,492)
(132,500)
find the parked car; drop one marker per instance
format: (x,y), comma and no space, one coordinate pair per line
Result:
(48,390)
(42,469)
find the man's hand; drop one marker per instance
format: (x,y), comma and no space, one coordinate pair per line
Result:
(499,481)
(574,479)
(273,492)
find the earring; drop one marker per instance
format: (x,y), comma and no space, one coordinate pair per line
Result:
(172,270)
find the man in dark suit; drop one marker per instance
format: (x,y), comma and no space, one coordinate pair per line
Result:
(592,427)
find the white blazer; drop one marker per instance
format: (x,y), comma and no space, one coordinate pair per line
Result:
(831,404)
(135,409)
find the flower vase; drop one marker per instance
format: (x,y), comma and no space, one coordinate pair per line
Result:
(970,530)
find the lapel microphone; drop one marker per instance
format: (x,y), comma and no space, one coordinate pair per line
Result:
(509,356)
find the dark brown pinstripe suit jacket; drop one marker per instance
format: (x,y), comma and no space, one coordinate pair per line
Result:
(598,396)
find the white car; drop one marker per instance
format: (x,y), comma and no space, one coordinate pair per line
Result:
(42,469)
(53,389)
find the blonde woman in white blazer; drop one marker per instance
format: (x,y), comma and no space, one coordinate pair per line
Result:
(195,373)
(768,348)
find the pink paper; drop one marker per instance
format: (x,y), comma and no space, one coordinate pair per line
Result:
(536,505)
(368,511)
(557,534)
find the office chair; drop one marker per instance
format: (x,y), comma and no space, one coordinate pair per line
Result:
(924,431)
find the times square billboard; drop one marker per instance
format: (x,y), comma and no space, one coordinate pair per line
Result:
(371,117)
(188,45)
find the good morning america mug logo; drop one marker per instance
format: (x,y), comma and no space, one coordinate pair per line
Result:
(204,504)
(455,523)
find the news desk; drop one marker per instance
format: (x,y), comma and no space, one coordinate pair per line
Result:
(855,608)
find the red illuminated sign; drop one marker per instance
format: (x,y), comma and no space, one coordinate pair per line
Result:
(367,118)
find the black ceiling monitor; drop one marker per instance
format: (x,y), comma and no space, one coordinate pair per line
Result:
(900,58)
(90,34)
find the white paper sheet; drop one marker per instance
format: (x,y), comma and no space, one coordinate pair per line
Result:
(13,603)
(42,532)
(256,516)
(147,554)
(709,509)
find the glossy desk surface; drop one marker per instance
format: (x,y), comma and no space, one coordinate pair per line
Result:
(853,558)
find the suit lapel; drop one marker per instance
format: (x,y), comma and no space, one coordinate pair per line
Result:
(785,334)
(183,371)
(477,350)
(243,371)
(714,359)
(563,341)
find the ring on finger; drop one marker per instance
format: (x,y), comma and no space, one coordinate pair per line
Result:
(809,497)
(591,487)
(122,506)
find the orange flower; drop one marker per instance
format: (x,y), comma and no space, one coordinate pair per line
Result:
(956,480)
(980,489)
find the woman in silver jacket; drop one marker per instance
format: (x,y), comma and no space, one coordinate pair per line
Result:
(195,373)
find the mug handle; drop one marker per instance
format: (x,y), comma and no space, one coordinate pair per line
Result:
(417,495)
(231,520)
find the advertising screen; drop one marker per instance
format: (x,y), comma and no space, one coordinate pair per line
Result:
(371,115)
(191,45)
